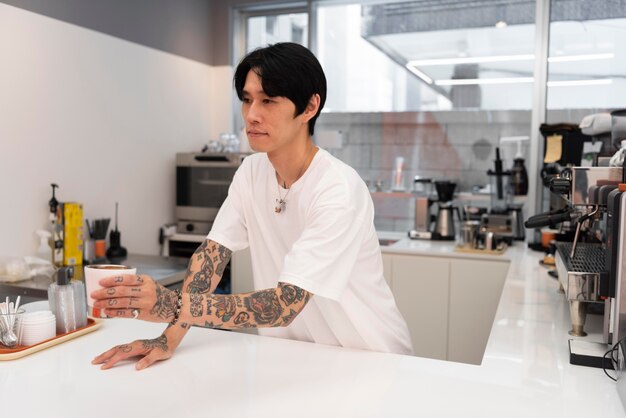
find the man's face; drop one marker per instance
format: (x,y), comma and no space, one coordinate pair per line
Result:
(271,122)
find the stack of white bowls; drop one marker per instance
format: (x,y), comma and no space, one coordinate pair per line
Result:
(35,327)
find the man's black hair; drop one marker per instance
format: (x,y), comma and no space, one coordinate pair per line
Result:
(286,70)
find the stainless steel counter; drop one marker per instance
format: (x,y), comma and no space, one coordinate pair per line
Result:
(168,271)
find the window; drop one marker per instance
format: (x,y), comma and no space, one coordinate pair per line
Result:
(257,26)
(269,29)
(425,55)
(587,58)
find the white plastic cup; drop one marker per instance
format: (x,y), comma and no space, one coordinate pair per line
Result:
(36,327)
(93,275)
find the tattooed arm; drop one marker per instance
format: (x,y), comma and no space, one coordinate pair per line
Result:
(264,308)
(204,273)
(206,267)
(156,303)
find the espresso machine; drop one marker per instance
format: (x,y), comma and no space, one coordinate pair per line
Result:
(589,263)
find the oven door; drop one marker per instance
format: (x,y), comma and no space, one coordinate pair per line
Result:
(202,183)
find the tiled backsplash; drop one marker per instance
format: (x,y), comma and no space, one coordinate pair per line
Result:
(454,145)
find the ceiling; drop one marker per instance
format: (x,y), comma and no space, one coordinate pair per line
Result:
(456,41)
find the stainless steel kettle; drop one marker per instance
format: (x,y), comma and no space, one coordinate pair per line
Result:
(444,224)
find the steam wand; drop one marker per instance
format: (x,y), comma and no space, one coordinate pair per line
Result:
(578,225)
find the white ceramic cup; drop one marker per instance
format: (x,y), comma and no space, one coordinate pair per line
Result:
(93,275)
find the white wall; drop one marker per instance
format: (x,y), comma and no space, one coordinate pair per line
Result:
(103,118)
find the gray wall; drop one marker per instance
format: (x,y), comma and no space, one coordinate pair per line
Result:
(195,29)
(180,27)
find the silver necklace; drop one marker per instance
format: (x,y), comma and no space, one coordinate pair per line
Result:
(281,202)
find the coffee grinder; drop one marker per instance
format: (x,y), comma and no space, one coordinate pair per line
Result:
(444,222)
(499,221)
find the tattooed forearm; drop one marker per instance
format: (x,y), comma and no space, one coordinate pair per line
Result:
(165,305)
(265,308)
(201,282)
(196,304)
(224,257)
(292,294)
(224,306)
(160,342)
(206,267)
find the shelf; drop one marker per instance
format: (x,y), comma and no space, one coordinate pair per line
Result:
(458,197)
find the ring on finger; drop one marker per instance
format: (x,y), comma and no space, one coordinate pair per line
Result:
(135,313)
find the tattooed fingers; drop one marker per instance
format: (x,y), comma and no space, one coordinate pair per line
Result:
(123,280)
(152,350)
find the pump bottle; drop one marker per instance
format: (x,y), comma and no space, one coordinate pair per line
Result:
(67,301)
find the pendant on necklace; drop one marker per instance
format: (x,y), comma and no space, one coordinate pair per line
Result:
(281,205)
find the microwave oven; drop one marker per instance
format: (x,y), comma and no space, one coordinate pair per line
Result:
(202,182)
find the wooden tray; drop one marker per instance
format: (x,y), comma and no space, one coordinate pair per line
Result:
(22,351)
(498,251)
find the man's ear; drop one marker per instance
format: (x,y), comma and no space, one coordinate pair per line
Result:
(312,107)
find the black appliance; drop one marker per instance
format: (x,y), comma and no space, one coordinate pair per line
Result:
(202,182)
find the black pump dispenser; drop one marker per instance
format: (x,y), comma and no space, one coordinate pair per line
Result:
(116,252)
(64,275)
(519,177)
(53,202)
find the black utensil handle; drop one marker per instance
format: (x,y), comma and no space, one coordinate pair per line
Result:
(548,219)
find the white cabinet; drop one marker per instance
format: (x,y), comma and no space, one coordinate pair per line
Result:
(475,289)
(420,286)
(448,303)
(241,280)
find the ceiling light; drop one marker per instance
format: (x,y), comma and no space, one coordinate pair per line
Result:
(507,58)
(471,60)
(473,81)
(519,80)
(593,82)
(585,57)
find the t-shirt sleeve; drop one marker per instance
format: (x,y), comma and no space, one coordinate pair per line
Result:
(229,228)
(324,256)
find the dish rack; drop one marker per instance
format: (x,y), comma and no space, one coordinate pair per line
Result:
(581,278)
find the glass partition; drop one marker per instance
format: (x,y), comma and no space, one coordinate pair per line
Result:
(587,58)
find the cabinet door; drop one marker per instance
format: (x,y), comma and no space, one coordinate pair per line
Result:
(387,267)
(420,286)
(241,280)
(475,289)
(241,272)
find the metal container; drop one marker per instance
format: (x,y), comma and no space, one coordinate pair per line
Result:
(469,231)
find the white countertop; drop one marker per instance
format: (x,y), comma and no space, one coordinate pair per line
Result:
(424,247)
(525,371)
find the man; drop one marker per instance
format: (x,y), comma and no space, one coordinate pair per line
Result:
(308,220)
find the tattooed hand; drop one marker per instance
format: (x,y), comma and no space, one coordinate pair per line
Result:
(150,351)
(123,295)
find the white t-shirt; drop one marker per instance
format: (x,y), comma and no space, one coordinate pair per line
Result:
(324,241)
